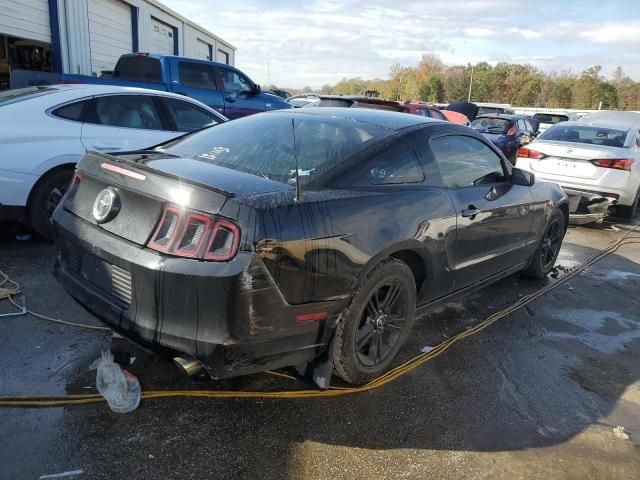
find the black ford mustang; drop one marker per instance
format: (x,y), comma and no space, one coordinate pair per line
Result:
(305,238)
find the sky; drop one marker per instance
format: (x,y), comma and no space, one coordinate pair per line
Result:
(295,44)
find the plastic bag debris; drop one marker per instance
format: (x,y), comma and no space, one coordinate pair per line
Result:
(426,349)
(120,388)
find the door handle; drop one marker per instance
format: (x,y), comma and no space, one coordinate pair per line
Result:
(470,212)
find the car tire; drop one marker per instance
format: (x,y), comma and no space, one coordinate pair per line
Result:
(45,197)
(544,259)
(381,333)
(628,211)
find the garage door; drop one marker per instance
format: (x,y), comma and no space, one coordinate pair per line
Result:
(203,50)
(25,19)
(161,37)
(110,33)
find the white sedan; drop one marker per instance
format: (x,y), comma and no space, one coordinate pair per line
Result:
(589,158)
(46,131)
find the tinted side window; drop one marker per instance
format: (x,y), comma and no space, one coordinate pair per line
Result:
(128,111)
(199,75)
(395,167)
(423,112)
(72,111)
(464,161)
(143,69)
(529,126)
(521,125)
(189,117)
(234,82)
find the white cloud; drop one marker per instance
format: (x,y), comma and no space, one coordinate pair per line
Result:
(322,41)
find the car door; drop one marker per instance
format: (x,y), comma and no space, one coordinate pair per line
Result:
(240,98)
(197,80)
(123,122)
(185,116)
(493,215)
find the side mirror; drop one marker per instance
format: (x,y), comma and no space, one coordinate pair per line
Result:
(256,90)
(522,177)
(231,97)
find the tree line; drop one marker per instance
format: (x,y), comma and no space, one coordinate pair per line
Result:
(520,85)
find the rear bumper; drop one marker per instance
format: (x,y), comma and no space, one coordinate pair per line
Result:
(228,315)
(619,186)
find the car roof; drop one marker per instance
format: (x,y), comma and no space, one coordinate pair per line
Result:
(506,116)
(625,127)
(88,89)
(381,118)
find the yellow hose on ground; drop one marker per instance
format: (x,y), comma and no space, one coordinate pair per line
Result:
(388,377)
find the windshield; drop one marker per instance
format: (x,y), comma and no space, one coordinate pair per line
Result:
(20,94)
(551,118)
(263,144)
(491,125)
(584,134)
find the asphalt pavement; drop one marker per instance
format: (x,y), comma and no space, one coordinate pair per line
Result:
(551,391)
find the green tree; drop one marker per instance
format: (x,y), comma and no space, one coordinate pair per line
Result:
(432,89)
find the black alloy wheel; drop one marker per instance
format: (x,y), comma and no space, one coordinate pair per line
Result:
(551,243)
(547,252)
(381,324)
(377,322)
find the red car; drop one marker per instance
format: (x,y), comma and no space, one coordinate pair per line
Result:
(424,110)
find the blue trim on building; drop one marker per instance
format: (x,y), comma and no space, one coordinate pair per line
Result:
(134,28)
(176,50)
(56,44)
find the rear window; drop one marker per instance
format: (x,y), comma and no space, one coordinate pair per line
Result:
(550,118)
(486,110)
(491,125)
(585,134)
(140,69)
(20,94)
(334,102)
(264,145)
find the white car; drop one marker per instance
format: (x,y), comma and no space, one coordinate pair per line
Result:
(589,158)
(547,120)
(46,131)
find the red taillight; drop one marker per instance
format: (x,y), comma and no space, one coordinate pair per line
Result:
(193,235)
(183,233)
(68,82)
(223,242)
(512,130)
(527,153)
(167,229)
(616,163)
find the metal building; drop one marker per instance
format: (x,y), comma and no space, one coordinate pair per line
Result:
(88,36)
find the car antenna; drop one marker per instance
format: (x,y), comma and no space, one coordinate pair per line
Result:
(298,198)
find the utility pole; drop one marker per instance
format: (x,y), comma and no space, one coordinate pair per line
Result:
(470,83)
(400,90)
(268,73)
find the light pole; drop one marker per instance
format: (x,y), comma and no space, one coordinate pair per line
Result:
(470,83)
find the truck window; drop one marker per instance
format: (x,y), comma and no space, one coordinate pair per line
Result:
(198,75)
(234,82)
(138,69)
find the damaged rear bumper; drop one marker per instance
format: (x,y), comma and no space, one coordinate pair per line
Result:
(228,315)
(587,207)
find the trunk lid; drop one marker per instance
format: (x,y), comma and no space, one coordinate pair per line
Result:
(145,183)
(573,160)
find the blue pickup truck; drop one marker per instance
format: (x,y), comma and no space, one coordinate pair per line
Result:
(222,87)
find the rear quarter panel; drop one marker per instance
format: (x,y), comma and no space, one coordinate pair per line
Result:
(320,249)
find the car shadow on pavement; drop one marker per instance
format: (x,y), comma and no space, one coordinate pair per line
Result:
(536,378)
